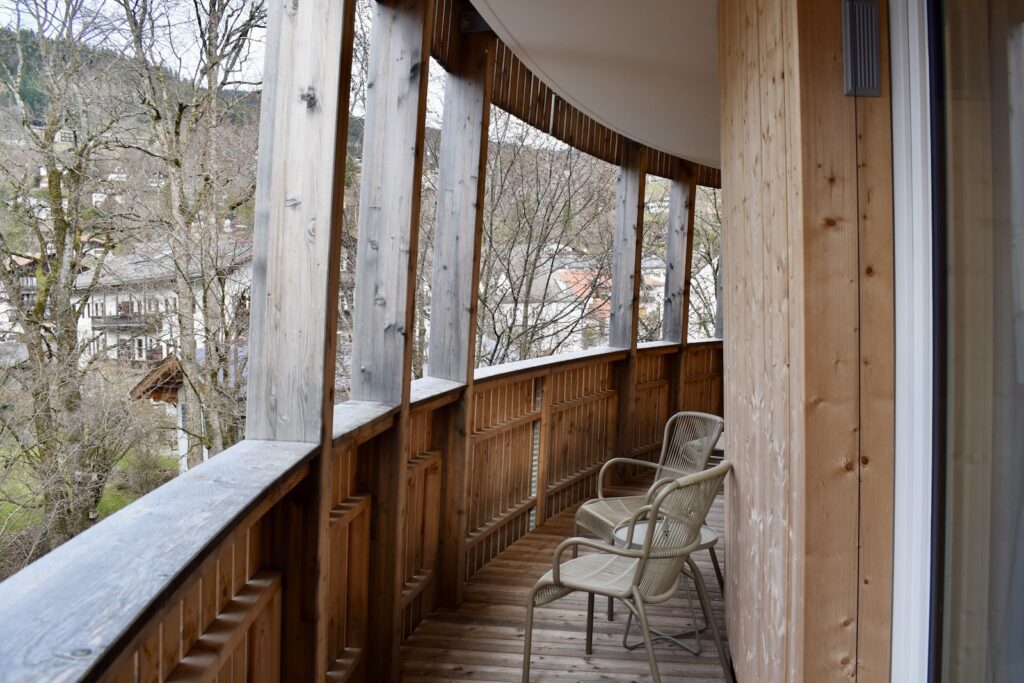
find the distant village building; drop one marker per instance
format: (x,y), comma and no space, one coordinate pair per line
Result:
(131,314)
(567,297)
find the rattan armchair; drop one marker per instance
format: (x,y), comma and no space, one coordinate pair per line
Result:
(639,576)
(687,443)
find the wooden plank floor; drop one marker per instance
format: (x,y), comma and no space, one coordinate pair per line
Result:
(483,639)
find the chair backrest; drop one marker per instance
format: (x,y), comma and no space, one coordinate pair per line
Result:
(680,510)
(689,439)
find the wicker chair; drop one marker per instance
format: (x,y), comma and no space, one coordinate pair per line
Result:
(643,574)
(688,441)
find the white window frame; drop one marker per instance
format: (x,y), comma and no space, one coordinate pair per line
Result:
(914,298)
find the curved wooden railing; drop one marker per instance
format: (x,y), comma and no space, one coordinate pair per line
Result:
(194,581)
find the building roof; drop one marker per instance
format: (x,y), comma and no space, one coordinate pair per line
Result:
(151,263)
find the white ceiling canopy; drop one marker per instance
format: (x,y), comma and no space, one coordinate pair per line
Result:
(645,68)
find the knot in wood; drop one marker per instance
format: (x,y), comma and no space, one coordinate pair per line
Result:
(309,97)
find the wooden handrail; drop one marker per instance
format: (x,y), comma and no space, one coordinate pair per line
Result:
(206,554)
(73,612)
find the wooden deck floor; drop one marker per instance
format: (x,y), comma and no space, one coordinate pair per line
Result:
(483,639)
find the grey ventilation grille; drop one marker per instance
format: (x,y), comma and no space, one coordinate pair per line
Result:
(862,69)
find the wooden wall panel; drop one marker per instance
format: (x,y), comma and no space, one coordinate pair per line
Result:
(877,377)
(809,349)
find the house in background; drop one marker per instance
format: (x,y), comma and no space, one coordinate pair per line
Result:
(132,313)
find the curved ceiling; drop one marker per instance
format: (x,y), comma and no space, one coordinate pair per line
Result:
(645,68)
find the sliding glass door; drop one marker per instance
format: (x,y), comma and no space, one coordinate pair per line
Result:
(980,372)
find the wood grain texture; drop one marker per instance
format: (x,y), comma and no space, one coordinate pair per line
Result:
(389,211)
(679,254)
(877,375)
(803,222)
(138,558)
(461,178)
(297,224)
(626,240)
(301,184)
(389,201)
(483,639)
(832,348)
(455,283)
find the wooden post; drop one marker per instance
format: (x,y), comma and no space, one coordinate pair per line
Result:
(629,225)
(389,209)
(544,450)
(300,180)
(679,252)
(456,276)
(625,299)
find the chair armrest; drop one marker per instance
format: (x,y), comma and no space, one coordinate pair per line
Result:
(619,461)
(556,561)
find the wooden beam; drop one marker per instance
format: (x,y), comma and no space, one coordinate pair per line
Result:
(389,201)
(389,210)
(627,238)
(679,253)
(625,297)
(455,284)
(462,168)
(808,277)
(675,321)
(300,185)
(877,375)
(297,220)
(829,493)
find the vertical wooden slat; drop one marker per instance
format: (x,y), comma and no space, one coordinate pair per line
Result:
(625,297)
(170,640)
(264,653)
(877,378)
(300,183)
(389,213)
(679,254)
(544,454)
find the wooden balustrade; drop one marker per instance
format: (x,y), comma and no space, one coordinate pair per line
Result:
(702,377)
(196,580)
(653,401)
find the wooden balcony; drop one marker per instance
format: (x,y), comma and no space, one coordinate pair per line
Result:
(482,640)
(206,577)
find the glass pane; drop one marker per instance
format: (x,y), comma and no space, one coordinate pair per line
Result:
(983,629)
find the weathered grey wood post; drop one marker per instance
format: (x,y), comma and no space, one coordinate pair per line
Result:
(389,209)
(625,296)
(300,180)
(679,273)
(455,291)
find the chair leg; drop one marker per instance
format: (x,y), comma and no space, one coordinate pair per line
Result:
(693,615)
(575,548)
(702,593)
(528,640)
(611,608)
(645,628)
(590,623)
(718,569)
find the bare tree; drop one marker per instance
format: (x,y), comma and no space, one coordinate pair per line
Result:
(192,67)
(706,283)
(63,429)
(653,255)
(546,252)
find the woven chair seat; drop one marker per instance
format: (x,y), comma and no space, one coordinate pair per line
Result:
(596,573)
(600,516)
(645,573)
